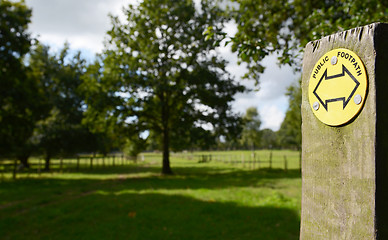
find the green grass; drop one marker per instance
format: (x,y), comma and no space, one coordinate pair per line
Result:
(213,200)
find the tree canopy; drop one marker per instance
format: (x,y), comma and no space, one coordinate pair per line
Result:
(284,27)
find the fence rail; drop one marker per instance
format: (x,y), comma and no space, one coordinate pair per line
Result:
(241,159)
(245,159)
(76,163)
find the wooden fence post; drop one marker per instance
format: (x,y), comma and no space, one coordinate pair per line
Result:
(15,165)
(39,167)
(242,159)
(254,160)
(60,164)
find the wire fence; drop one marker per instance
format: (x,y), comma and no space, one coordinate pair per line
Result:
(282,159)
(236,159)
(75,164)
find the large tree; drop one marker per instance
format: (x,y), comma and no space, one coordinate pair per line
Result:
(163,77)
(284,27)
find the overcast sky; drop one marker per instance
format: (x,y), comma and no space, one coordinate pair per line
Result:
(84,25)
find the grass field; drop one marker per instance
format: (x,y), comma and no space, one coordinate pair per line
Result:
(209,200)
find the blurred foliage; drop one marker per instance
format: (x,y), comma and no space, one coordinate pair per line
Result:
(269,139)
(251,134)
(21,102)
(290,134)
(61,132)
(284,27)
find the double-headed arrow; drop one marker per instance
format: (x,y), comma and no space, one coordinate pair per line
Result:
(327,89)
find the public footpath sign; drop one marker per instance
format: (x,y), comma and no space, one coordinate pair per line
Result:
(345,136)
(338,87)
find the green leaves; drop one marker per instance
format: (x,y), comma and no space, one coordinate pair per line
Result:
(285,27)
(251,134)
(19,94)
(290,134)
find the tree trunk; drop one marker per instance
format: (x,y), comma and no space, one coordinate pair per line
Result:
(166,169)
(166,153)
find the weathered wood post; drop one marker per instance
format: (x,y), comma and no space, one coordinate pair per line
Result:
(77,162)
(345,135)
(15,166)
(60,164)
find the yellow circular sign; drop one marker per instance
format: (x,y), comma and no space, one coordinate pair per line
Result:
(337,87)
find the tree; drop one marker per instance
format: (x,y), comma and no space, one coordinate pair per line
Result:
(21,101)
(251,135)
(269,139)
(100,102)
(161,76)
(61,133)
(284,27)
(290,134)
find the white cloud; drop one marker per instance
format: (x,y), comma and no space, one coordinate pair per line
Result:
(81,23)
(272,117)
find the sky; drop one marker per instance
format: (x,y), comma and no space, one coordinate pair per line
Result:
(83,24)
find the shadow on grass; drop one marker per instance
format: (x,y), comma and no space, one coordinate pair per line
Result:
(71,208)
(101,215)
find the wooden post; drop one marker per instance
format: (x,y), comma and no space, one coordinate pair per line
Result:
(2,171)
(300,160)
(254,160)
(242,159)
(60,164)
(39,167)
(15,165)
(345,165)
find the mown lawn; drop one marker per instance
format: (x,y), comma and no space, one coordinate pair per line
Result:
(210,200)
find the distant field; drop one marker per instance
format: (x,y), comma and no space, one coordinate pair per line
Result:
(215,199)
(237,159)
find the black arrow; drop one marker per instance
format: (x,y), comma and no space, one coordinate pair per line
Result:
(334,77)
